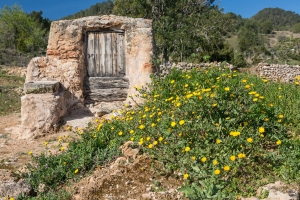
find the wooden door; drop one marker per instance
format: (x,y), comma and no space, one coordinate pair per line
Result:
(105,54)
(105,79)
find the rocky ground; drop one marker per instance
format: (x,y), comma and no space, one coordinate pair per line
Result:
(129,177)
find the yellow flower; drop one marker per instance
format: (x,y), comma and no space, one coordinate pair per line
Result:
(227,89)
(244,81)
(278,142)
(112,128)
(76,171)
(280,116)
(217,172)
(185,176)
(255,99)
(153,125)
(234,133)
(148,138)
(227,118)
(30,153)
(218,141)
(173,124)
(45,143)
(261,135)
(215,162)
(141,127)
(214,105)
(11,198)
(160,139)
(242,155)
(68,128)
(132,139)
(120,133)
(141,142)
(265,80)
(232,158)
(186,85)
(172,81)
(187,149)
(247,86)
(62,148)
(155,143)
(150,146)
(131,131)
(226,168)
(178,104)
(261,129)
(181,122)
(203,159)
(189,96)
(64,163)
(249,140)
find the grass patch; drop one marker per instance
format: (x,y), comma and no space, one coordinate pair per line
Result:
(226,133)
(10,100)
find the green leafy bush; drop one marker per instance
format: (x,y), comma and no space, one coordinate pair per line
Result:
(223,133)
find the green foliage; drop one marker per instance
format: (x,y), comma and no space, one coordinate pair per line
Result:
(181,27)
(239,60)
(20,31)
(224,132)
(280,19)
(248,37)
(296,28)
(103,8)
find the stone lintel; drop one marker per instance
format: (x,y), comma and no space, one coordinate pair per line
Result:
(40,87)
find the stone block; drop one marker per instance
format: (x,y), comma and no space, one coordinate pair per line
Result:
(40,87)
(41,114)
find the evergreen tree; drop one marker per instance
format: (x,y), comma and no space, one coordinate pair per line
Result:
(184,30)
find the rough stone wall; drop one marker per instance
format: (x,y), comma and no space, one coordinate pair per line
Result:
(276,72)
(65,61)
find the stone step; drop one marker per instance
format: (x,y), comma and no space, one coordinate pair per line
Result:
(40,87)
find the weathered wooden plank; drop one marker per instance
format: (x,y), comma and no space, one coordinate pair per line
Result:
(114,54)
(106,82)
(121,55)
(97,54)
(90,54)
(116,94)
(102,57)
(108,55)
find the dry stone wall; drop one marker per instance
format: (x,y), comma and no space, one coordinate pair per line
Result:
(276,72)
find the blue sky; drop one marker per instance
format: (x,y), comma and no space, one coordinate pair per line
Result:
(56,9)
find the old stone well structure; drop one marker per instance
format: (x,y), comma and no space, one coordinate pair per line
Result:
(88,60)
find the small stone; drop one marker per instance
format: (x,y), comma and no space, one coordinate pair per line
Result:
(146,196)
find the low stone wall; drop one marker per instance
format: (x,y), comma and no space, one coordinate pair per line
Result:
(165,69)
(276,72)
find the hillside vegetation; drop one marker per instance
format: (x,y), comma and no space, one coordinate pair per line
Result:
(223,134)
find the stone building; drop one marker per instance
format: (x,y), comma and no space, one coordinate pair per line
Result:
(88,60)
